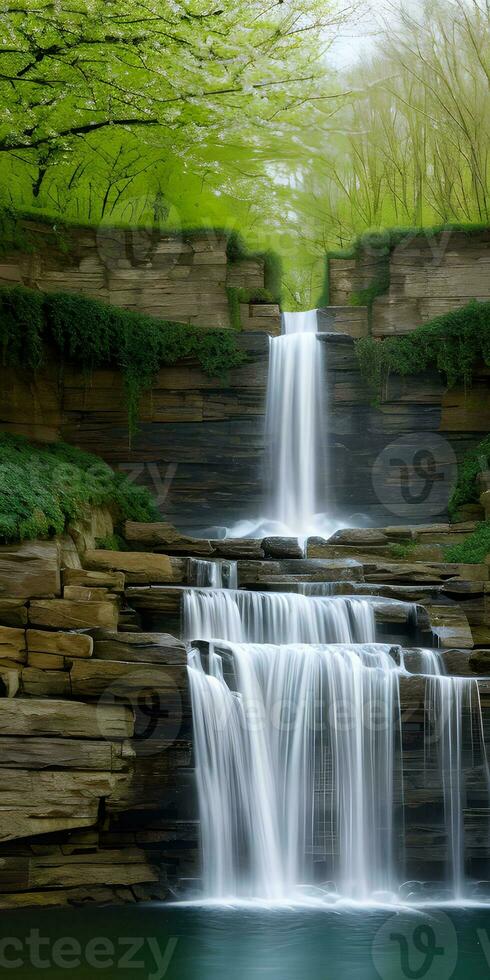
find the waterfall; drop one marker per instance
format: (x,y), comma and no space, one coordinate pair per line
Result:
(274,617)
(218,574)
(296,768)
(295,410)
(298,741)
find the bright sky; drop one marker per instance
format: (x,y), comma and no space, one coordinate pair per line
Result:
(360,33)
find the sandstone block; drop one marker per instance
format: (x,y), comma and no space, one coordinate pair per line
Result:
(166,535)
(13,644)
(59,643)
(138,567)
(69,719)
(66,614)
(92,678)
(113,581)
(31,568)
(157,648)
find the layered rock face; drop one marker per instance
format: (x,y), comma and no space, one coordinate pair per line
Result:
(428,275)
(176,277)
(96,780)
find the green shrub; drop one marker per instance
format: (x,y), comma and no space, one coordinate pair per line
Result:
(402,550)
(467,490)
(93,334)
(44,487)
(475,549)
(453,343)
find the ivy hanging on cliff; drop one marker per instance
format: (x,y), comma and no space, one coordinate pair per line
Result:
(454,343)
(42,488)
(467,489)
(92,335)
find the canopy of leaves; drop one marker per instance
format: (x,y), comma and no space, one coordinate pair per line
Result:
(42,488)
(93,334)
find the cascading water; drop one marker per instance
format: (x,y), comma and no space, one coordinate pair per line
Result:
(297,474)
(299,747)
(295,411)
(274,617)
(218,574)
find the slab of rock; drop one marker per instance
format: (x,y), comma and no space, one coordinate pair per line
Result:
(47,661)
(357,536)
(65,614)
(298,570)
(274,547)
(450,625)
(163,535)
(13,612)
(138,567)
(92,678)
(162,598)
(69,719)
(37,683)
(156,648)
(60,643)
(31,568)
(113,581)
(13,644)
(55,753)
(106,867)
(239,548)
(81,593)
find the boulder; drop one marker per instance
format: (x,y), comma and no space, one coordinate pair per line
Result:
(162,535)
(238,548)
(65,614)
(156,648)
(80,593)
(298,570)
(31,568)
(69,719)
(94,524)
(36,683)
(113,581)
(357,536)
(61,643)
(275,547)
(138,567)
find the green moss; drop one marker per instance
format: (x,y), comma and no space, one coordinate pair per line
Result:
(234,307)
(467,491)
(112,542)
(454,343)
(92,335)
(43,487)
(402,550)
(474,550)
(237,251)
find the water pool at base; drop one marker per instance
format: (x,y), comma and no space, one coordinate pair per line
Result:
(153,942)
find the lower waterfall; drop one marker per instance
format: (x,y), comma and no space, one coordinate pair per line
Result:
(300,763)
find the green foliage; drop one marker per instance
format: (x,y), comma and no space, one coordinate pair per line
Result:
(467,491)
(234,307)
(94,335)
(112,542)
(44,487)
(402,550)
(453,343)
(474,550)
(258,295)
(237,251)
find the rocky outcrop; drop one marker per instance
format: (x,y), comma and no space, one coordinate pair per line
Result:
(428,275)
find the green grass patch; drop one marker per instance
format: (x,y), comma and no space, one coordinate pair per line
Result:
(474,550)
(467,491)
(43,487)
(403,550)
(92,335)
(454,343)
